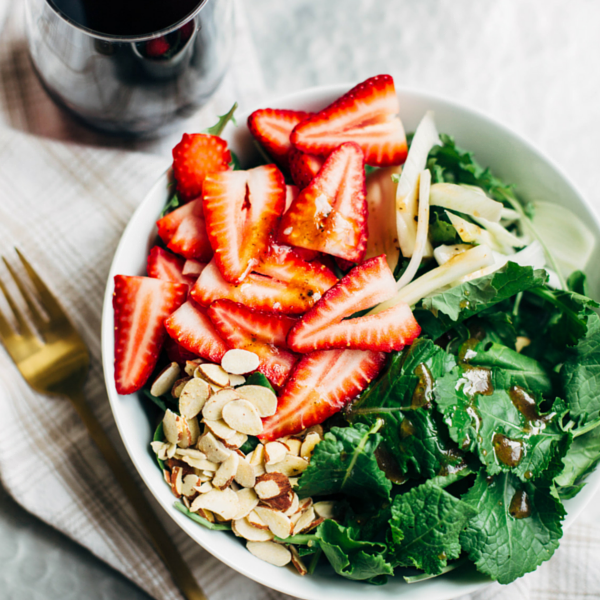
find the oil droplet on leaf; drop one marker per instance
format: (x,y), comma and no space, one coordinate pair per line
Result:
(520,506)
(509,452)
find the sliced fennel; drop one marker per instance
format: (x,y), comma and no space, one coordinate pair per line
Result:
(381,202)
(570,239)
(501,235)
(426,136)
(422,230)
(461,265)
(471,233)
(444,253)
(469,200)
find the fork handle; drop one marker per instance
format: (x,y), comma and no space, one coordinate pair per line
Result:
(160,539)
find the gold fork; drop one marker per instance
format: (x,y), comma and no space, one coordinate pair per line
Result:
(57,365)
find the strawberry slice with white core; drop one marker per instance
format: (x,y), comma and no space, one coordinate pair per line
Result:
(165,265)
(241,209)
(367,115)
(272,127)
(141,305)
(365,286)
(286,264)
(304,167)
(256,331)
(320,385)
(167,225)
(330,215)
(191,239)
(291,193)
(191,328)
(193,268)
(257,291)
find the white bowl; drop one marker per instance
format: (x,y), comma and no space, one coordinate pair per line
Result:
(510,157)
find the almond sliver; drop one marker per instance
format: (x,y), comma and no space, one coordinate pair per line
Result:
(165,380)
(263,399)
(245,474)
(224,503)
(278,523)
(291,466)
(275,452)
(213,409)
(270,552)
(193,396)
(239,362)
(173,433)
(248,501)
(243,417)
(213,374)
(220,429)
(242,528)
(226,472)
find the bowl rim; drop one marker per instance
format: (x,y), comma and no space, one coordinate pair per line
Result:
(300,98)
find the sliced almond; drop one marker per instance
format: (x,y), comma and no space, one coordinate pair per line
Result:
(171,429)
(256,521)
(314,524)
(239,362)
(257,456)
(192,365)
(306,518)
(275,452)
(189,485)
(278,523)
(242,528)
(294,505)
(177,481)
(275,554)
(248,501)
(165,380)
(309,444)
(214,449)
(242,416)
(245,474)
(258,470)
(235,380)
(167,476)
(178,386)
(263,399)
(191,452)
(191,431)
(186,502)
(235,487)
(325,509)
(202,464)
(213,374)
(236,441)
(204,487)
(220,429)
(226,472)
(224,503)
(297,561)
(316,429)
(291,466)
(305,504)
(206,514)
(213,409)
(294,445)
(271,485)
(294,481)
(194,395)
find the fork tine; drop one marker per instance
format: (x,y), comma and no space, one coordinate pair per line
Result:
(24,328)
(6,330)
(51,306)
(36,316)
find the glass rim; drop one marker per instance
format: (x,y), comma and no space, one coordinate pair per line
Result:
(108,37)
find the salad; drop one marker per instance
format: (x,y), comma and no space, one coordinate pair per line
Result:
(366,351)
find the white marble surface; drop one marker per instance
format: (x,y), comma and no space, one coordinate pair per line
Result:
(532,64)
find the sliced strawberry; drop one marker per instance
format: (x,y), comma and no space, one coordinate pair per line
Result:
(272,127)
(197,155)
(304,167)
(141,304)
(193,267)
(164,265)
(371,283)
(167,225)
(177,353)
(191,328)
(367,115)
(257,291)
(256,331)
(343,264)
(291,193)
(330,215)
(191,239)
(241,210)
(320,385)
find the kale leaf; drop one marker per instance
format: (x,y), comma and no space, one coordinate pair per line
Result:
(517,527)
(425,527)
(352,558)
(344,461)
(439,313)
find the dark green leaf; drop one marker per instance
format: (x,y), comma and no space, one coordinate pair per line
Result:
(350,558)
(344,461)
(219,126)
(438,314)
(249,445)
(201,520)
(486,421)
(235,163)
(259,379)
(426,524)
(505,547)
(580,375)
(158,401)
(171,205)
(578,283)
(411,434)
(441,231)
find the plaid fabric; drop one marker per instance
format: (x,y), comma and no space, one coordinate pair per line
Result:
(68,220)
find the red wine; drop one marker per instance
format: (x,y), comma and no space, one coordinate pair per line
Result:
(125,17)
